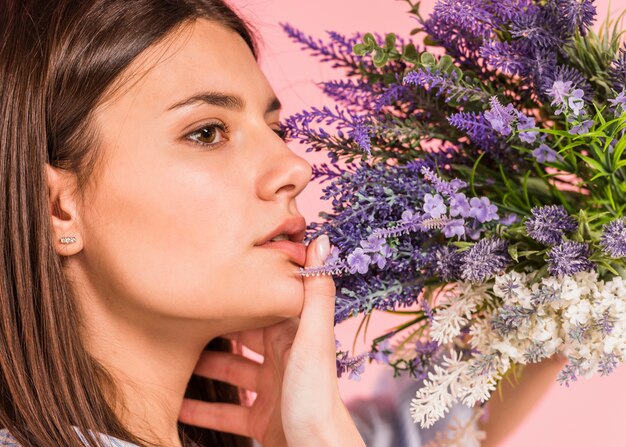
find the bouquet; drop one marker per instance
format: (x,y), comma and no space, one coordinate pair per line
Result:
(478,187)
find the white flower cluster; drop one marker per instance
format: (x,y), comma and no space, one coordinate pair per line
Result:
(579,316)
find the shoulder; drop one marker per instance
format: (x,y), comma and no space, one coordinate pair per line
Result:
(7,440)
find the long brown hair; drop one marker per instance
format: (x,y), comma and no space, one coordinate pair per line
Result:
(57,60)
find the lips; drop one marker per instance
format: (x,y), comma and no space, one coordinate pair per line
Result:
(295,250)
(294,227)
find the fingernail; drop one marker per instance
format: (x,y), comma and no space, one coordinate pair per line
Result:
(323,247)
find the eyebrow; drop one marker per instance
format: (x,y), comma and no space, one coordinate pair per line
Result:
(232,102)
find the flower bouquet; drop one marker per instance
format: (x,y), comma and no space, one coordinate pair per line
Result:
(478,187)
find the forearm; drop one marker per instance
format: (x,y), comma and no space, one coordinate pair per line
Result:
(518,400)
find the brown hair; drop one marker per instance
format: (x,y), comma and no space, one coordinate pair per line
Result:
(57,60)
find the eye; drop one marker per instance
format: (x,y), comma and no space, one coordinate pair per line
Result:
(212,134)
(282,133)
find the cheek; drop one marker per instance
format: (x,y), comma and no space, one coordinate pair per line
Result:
(181,244)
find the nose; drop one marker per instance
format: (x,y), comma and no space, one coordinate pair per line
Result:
(284,173)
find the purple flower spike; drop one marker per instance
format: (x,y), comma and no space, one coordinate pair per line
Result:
(358,261)
(568,258)
(549,224)
(483,210)
(544,154)
(485,259)
(434,206)
(613,239)
(620,100)
(500,117)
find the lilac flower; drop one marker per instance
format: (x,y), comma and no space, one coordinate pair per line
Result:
(613,239)
(358,261)
(548,224)
(509,318)
(447,263)
(441,186)
(382,353)
(485,259)
(569,373)
(454,227)
(482,209)
(434,206)
(576,102)
(607,364)
(442,84)
(509,219)
(559,92)
(617,71)
(579,14)
(620,101)
(505,56)
(581,128)
(500,117)
(524,123)
(544,154)
(354,365)
(568,258)
(459,205)
(361,134)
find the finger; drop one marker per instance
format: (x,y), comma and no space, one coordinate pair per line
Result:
(251,339)
(230,368)
(316,328)
(230,418)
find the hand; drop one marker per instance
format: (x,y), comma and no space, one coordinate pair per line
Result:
(298,401)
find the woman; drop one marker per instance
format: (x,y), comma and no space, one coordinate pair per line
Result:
(143,174)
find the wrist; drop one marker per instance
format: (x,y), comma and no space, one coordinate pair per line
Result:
(336,430)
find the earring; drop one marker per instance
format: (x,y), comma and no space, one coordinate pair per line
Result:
(68,240)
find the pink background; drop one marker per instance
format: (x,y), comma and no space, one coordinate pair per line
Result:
(590,411)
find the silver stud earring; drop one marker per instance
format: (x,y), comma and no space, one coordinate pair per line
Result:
(68,240)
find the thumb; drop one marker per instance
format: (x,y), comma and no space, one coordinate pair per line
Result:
(316,325)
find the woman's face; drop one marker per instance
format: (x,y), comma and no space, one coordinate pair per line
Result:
(193,176)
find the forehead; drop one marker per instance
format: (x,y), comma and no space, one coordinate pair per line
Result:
(199,56)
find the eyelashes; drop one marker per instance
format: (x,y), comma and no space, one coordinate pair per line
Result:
(214,134)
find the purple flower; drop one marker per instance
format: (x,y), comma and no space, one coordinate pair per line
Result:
(576,101)
(548,224)
(454,227)
(447,263)
(441,186)
(559,92)
(434,206)
(333,256)
(607,364)
(568,258)
(581,128)
(613,239)
(485,259)
(483,210)
(459,205)
(500,117)
(358,261)
(524,123)
(620,100)
(617,71)
(382,353)
(544,154)
(509,219)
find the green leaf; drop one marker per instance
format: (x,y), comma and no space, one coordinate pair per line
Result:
(410,52)
(431,41)
(427,59)
(512,249)
(370,41)
(380,57)
(591,162)
(445,63)
(359,49)
(390,41)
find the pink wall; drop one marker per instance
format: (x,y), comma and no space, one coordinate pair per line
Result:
(590,411)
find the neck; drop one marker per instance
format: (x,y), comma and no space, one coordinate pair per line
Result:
(152,364)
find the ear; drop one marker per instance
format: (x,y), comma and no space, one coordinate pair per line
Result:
(63,209)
